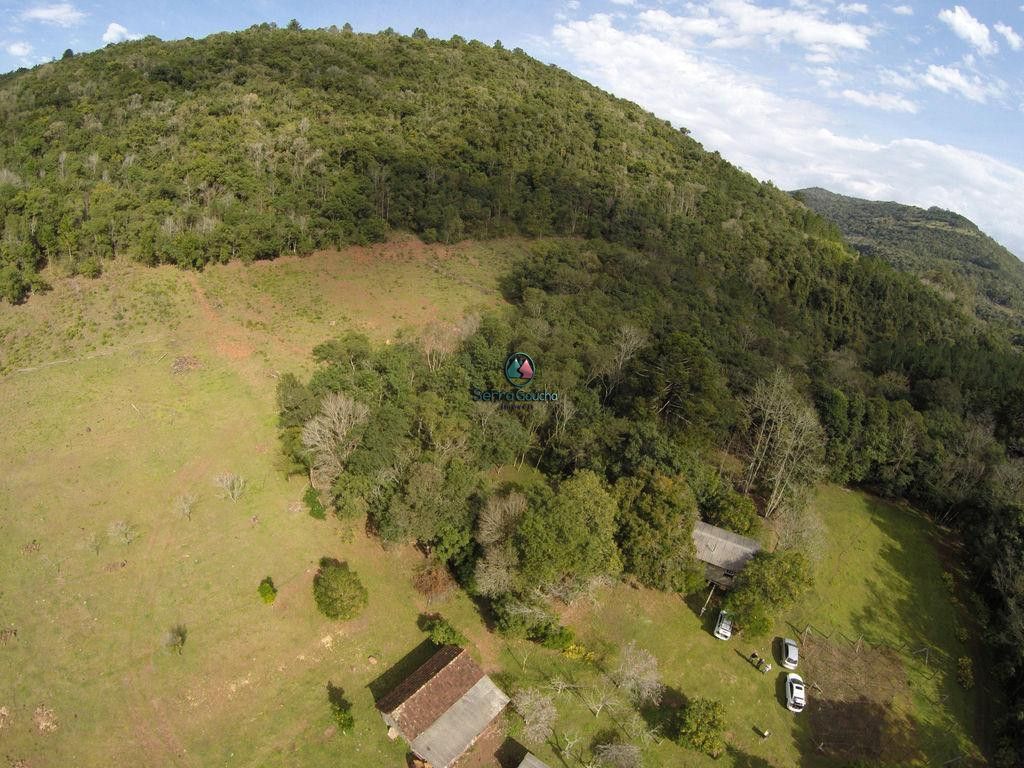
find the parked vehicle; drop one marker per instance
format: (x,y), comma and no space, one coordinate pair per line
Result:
(790,654)
(723,627)
(796,693)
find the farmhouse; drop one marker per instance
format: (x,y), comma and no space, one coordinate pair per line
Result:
(443,707)
(723,552)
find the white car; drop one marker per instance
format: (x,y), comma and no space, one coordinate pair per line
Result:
(723,627)
(790,654)
(796,693)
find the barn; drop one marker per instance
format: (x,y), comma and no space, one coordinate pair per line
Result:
(443,707)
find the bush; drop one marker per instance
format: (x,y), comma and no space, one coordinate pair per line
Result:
(557,638)
(702,726)
(441,631)
(313,503)
(338,592)
(267,590)
(965,672)
(341,708)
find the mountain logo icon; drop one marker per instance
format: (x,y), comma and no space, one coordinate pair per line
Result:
(519,369)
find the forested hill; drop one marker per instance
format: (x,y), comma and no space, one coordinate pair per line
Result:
(251,144)
(941,247)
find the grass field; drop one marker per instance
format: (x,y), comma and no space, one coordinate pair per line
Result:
(98,430)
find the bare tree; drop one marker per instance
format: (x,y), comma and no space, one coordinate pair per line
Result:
(499,518)
(628,341)
(123,532)
(638,675)
(184,503)
(538,712)
(97,540)
(600,697)
(495,572)
(619,755)
(231,484)
(560,685)
(786,442)
(638,728)
(440,340)
(329,437)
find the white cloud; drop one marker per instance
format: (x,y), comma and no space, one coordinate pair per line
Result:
(951,79)
(19,49)
(737,23)
(59,14)
(894,79)
(968,28)
(1012,37)
(791,141)
(117,33)
(624,2)
(573,5)
(903,10)
(887,102)
(853,8)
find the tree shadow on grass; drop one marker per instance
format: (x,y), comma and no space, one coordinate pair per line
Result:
(742,759)
(391,677)
(664,717)
(854,730)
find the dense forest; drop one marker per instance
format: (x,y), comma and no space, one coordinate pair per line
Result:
(941,247)
(716,346)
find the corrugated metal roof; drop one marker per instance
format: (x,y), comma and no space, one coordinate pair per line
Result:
(722,548)
(419,700)
(532,761)
(455,731)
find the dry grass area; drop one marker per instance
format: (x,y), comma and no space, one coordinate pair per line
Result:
(857,699)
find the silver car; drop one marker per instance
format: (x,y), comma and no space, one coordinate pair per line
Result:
(723,627)
(796,693)
(790,654)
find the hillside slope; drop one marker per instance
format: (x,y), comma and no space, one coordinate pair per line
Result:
(251,144)
(941,247)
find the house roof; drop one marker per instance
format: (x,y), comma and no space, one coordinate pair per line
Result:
(724,549)
(532,761)
(419,700)
(455,731)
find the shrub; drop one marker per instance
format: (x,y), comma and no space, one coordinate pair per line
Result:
(267,590)
(433,581)
(441,631)
(313,503)
(338,592)
(947,579)
(556,637)
(961,632)
(174,639)
(341,708)
(965,672)
(702,726)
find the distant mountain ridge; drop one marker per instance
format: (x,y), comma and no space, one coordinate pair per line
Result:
(941,247)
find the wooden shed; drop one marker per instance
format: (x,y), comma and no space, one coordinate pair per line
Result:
(723,552)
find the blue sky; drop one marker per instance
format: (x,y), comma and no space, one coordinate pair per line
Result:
(909,100)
